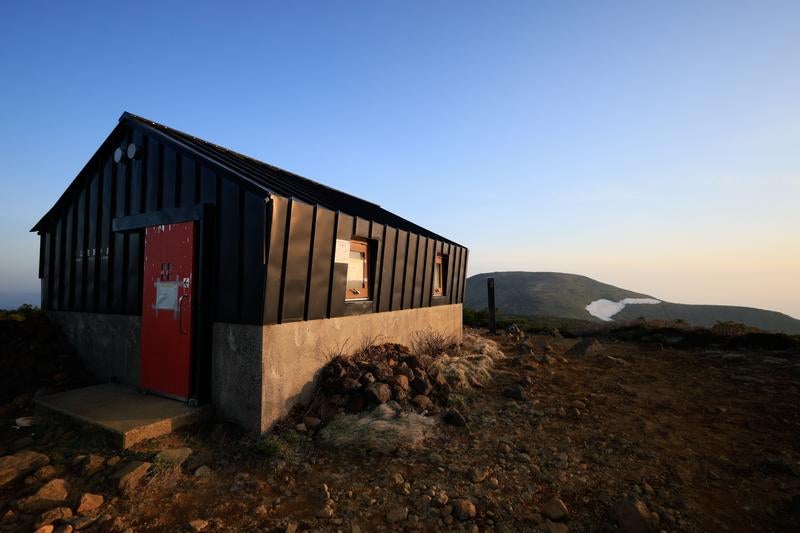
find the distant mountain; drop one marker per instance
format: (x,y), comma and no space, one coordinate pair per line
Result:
(555,294)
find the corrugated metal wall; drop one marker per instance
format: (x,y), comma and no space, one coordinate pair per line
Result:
(304,283)
(87,267)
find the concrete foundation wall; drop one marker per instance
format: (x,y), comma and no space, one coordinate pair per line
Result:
(257,372)
(107,344)
(236,373)
(260,372)
(294,352)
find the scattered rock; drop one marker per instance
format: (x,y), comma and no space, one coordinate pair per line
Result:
(312,422)
(577,404)
(421,384)
(556,527)
(92,464)
(202,471)
(13,467)
(554,509)
(399,394)
(397,514)
(83,522)
(382,372)
(54,515)
(476,475)
(464,509)
(326,511)
(350,385)
(43,474)
(45,529)
(174,456)
(632,515)
(130,475)
(291,527)
(733,358)
(401,381)
(585,348)
(516,392)
(379,392)
(422,401)
(440,499)
(89,503)
(25,421)
(455,418)
(9,517)
(49,495)
(198,524)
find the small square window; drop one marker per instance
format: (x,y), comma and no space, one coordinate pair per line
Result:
(439,275)
(358,272)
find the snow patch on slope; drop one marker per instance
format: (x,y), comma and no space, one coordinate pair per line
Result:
(605,309)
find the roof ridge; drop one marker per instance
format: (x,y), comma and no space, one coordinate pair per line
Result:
(128,115)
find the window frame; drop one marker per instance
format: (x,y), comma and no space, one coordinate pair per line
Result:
(441,260)
(363,246)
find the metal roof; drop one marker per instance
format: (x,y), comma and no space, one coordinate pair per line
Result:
(271,179)
(282,182)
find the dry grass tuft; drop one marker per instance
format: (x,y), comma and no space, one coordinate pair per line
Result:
(475,344)
(384,429)
(469,366)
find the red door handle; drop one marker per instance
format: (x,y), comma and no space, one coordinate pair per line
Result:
(180,315)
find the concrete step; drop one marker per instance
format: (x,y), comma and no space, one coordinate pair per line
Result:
(127,414)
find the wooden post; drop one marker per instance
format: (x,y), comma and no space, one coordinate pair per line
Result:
(492,310)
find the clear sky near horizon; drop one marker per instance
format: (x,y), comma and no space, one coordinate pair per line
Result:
(650,145)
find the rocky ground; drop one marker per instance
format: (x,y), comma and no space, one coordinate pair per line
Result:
(555,435)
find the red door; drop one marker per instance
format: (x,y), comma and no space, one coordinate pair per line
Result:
(167,309)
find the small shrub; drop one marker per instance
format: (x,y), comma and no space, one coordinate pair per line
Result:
(367,344)
(432,343)
(339,352)
(456,400)
(268,446)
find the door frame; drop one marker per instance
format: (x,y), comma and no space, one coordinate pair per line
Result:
(203,294)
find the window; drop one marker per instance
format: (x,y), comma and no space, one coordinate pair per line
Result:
(439,275)
(358,272)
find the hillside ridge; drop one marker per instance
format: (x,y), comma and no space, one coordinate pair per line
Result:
(563,295)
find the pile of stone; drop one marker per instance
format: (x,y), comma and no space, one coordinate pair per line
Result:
(379,374)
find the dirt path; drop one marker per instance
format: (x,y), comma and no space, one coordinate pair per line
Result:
(707,442)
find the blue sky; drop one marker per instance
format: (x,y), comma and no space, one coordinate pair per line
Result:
(651,145)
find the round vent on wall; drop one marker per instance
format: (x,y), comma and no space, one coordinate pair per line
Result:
(117,155)
(133,151)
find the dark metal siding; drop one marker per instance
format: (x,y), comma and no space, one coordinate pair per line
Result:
(103,287)
(399,276)
(320,268)
(278,211)
(262,261)
(384,297)
(303,281)
(86,266)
